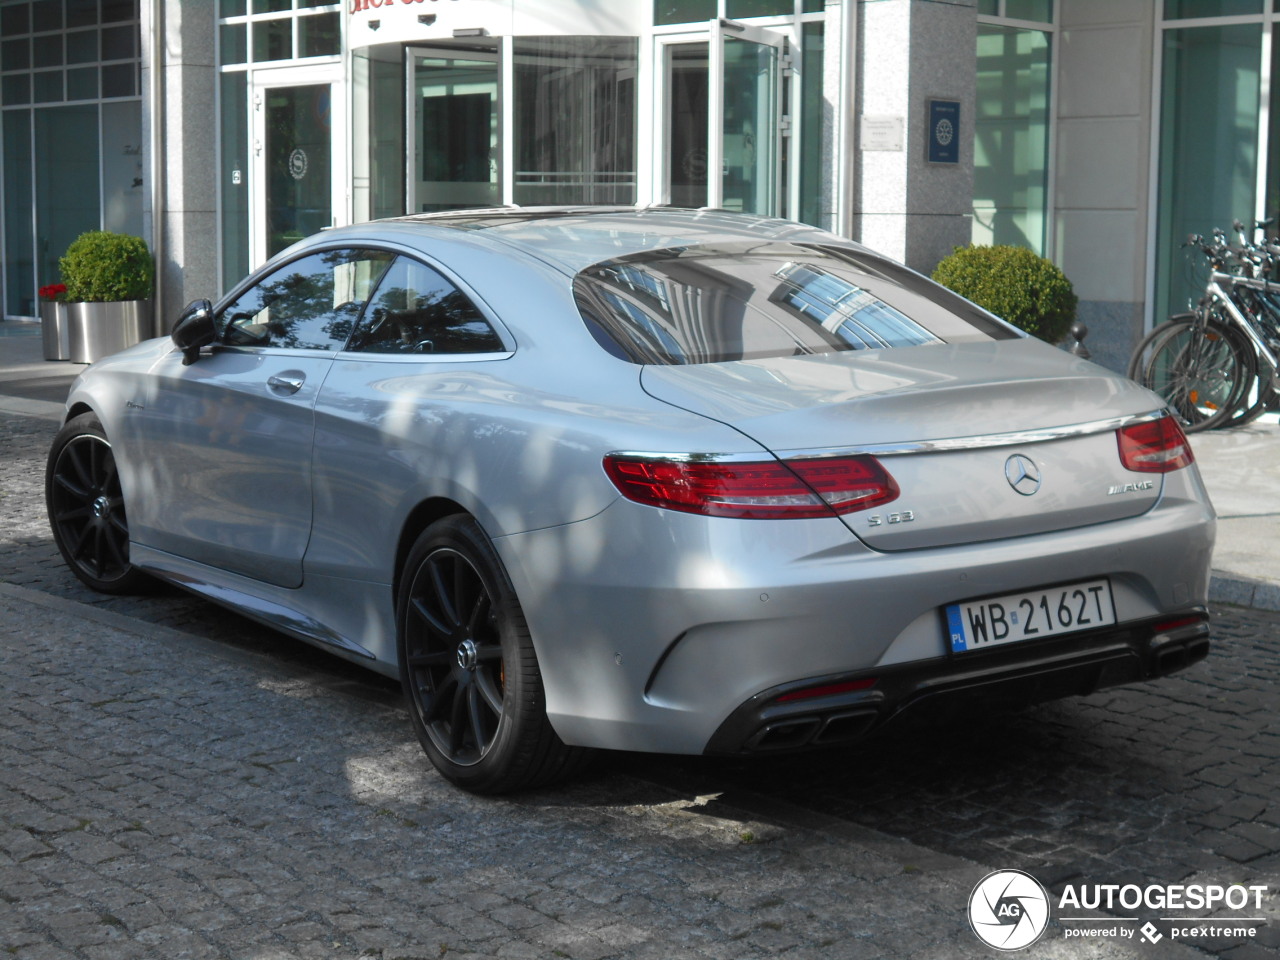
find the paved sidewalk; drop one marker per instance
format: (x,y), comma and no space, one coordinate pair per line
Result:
(1241,468)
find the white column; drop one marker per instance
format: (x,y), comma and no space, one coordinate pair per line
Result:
(911,52)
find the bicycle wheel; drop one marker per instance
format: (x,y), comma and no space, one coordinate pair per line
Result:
(1200,368)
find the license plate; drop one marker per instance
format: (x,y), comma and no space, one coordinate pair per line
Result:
(1034,615)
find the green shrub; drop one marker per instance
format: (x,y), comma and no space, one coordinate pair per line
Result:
(101,267)
(1014,284)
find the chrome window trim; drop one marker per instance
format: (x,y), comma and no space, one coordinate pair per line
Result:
(352,356)
(983,441)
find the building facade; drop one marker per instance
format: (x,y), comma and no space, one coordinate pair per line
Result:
(1096,132)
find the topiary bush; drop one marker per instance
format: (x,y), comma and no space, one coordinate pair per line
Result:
(102,267)
(1015,284)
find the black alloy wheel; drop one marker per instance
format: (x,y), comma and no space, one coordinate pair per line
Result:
(86,508)
(468,666)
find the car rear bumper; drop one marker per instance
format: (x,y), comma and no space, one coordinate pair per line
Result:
(657,631)
(785,718)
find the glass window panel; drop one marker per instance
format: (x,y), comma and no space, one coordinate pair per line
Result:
(575,119)
(82,46)
(308,304)
(1209,100)
(318,36)
(19,247)
(120,80)
(989,8)
(1040,11)
(82,84)
(418,311)
(811,110)
(82,13)
(122,182)
(15,19)
(271,6)
(736,9)
(234,204)
(304,4)
(16,89)
(273,40)
(232,8)
(455,151)
(688,76)
(683,11)
(1178,9)
(813,6)
(47,51)
(750,127)
(115,11)
(15,54)
(67,165)
(1011,137)
(46,16)
(379,133)
(299,163)
(234,43)
(118,43)
(47,86)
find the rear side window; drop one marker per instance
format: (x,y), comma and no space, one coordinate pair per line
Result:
(417,310)
(743,301)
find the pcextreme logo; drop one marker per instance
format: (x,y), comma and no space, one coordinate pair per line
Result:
(1010,910)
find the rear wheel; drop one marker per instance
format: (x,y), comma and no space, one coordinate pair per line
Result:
(468,667)
(1201,369)
(86,508)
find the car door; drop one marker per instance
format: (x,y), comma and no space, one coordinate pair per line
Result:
(413,403)
(224,444)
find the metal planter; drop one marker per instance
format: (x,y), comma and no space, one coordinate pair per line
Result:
(98,330)
(53,330)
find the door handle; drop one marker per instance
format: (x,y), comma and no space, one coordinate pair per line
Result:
(286,384)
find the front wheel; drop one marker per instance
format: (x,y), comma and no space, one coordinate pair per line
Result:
(86,508)
(469,671)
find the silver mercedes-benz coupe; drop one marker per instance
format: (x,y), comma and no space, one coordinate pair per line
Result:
(658,480)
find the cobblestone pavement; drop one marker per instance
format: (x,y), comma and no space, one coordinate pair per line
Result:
(179,782)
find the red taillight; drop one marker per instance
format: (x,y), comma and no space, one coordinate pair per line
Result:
(1156,446)
(759,490)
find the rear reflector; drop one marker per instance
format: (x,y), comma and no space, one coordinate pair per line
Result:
(1156,446)
(758,490)
(827,690)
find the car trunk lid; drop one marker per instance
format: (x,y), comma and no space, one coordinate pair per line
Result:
(985,440)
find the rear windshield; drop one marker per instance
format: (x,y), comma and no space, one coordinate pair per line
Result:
(744,301)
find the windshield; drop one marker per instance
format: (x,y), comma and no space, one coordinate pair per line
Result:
(743,301)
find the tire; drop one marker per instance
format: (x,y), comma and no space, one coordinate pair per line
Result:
(1203,374)
(468,668)
(86,508)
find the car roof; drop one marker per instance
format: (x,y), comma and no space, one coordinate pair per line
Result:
(573,238)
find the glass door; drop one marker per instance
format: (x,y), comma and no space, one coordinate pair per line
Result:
(454,140)
(723,100)
(300,181)
(749,125)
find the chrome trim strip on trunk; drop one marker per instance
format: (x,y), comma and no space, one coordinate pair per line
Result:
(1015,438)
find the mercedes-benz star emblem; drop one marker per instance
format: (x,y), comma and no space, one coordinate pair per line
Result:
(1023,474)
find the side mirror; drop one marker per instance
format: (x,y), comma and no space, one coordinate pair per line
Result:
(193,330)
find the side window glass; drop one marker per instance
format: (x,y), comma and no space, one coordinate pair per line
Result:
(309,304)
(415,310)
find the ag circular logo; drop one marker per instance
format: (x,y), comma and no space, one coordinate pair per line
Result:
(944,131)
(1009,910)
